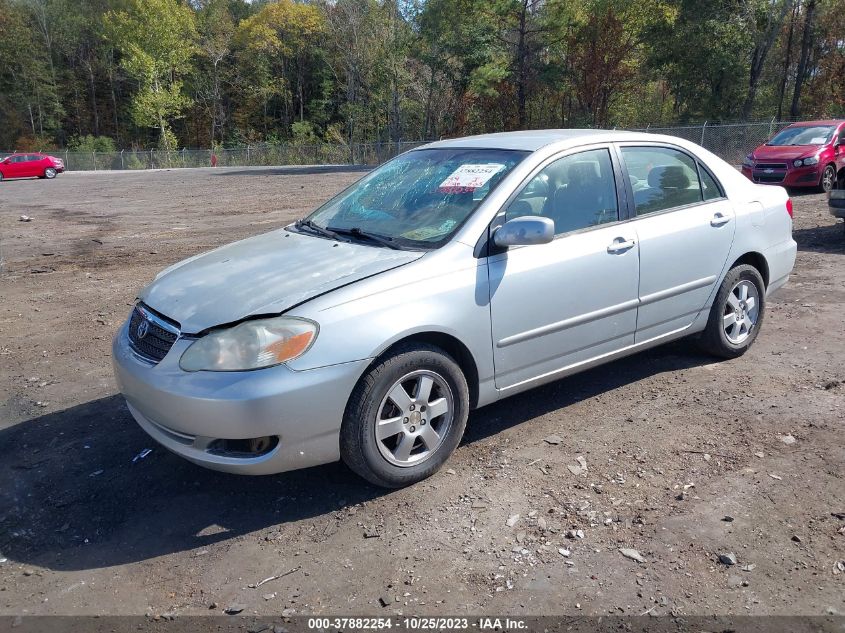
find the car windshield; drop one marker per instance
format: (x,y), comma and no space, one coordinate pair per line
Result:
(804,135)
(417,200)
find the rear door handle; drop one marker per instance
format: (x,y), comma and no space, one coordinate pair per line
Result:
(719,220)
(620,245)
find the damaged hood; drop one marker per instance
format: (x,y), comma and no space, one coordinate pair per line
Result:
(262,275)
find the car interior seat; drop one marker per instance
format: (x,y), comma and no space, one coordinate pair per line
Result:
(668,186)
(582,199)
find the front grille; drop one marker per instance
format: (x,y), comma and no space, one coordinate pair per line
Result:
(768,178)
(770,166)
(150,335)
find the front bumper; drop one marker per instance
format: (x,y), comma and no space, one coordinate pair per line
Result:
(788,177)
(187,411)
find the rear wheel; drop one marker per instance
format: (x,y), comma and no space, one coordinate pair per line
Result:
(405,417)
(50,173)
(737,313)
(828,179)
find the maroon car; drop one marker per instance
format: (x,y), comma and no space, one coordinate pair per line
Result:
(31,165)
(807,154)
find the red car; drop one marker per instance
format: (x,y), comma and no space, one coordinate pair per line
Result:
(32,165)
(808,154)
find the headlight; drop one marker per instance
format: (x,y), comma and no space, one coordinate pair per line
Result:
(813,160)
(250,345)
(749,161)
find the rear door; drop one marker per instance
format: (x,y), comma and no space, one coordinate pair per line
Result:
(33,165)
(685,228)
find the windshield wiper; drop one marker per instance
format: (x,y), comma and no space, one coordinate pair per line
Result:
(319,230)
(359,233)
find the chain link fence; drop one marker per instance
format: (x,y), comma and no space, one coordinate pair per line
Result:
(731,141)
(249,156)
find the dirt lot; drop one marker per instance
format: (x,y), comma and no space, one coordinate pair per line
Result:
(673,443)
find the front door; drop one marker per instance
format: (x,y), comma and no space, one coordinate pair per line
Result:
(685,228)
(557,305)
(16,167)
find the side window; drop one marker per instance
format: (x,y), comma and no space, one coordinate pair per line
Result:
(576,192)
(709,189)
(662,178)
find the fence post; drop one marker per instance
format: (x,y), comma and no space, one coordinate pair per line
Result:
(151,158)
(771,127)
(121,159)
(94,159)
(247,154)
(67,155)
(703,127)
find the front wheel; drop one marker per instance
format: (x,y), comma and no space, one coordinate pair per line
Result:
(49,173)
(405,417)
(828,179)
(737,313)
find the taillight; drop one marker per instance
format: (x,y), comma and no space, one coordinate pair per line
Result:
(789,206)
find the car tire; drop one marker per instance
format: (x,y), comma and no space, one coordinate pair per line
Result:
(50,173)
(734,322)
(828,180)
(432,381)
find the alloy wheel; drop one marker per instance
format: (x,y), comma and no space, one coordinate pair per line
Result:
(742,310)
(414,418)
(828,178)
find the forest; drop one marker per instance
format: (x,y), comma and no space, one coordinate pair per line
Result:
(105,74)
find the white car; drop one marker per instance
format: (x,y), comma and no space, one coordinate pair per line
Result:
(453,276)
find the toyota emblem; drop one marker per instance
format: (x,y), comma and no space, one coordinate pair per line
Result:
(143,328)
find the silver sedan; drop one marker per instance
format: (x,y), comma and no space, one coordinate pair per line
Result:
(453,276)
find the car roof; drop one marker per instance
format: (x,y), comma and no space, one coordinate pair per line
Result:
(818,122)
(532,140)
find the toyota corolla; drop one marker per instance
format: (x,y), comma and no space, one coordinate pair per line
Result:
(451,277)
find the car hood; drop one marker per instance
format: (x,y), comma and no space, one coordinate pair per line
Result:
(783,152)
(262,275)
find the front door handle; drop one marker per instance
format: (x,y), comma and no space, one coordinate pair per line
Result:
(719,220)
(620,245)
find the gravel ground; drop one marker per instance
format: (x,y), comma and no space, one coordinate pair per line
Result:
(674,444)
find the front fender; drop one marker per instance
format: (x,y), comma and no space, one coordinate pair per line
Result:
(445,292)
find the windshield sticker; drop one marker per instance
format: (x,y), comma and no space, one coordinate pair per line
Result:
(467,178)
(817,140)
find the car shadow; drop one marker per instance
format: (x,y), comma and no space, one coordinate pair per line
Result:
(75,493)
(305,170)
(528,405)
(822,239)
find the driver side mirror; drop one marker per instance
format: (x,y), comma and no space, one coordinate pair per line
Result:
(525,231)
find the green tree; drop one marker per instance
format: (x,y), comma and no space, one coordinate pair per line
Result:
(699,47)
(156,40)
(28,98)
(277,48)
